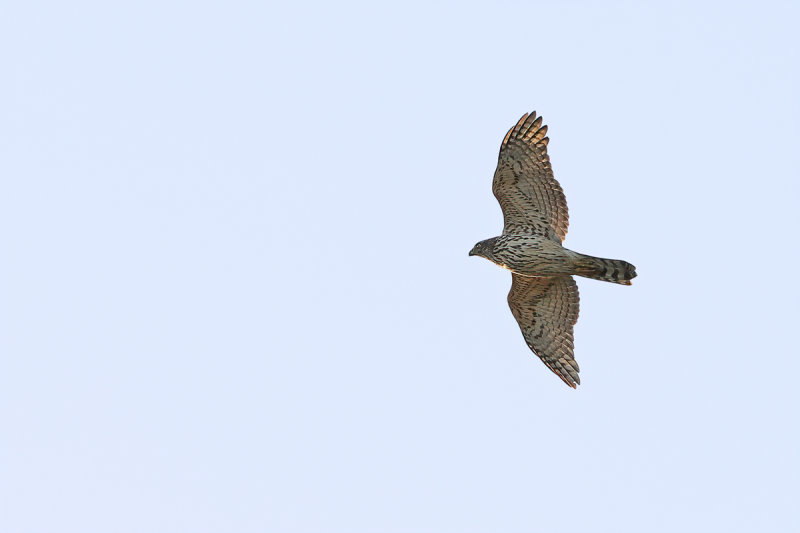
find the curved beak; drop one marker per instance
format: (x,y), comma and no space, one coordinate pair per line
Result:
(471,252)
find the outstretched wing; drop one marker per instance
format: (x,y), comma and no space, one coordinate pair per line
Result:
(546,310)
(531,198)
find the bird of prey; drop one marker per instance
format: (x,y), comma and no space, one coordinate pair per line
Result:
(544,296)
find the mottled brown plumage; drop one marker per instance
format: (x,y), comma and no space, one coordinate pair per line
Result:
(546,309)
(543,297)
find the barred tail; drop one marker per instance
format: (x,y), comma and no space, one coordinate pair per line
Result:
(613,270)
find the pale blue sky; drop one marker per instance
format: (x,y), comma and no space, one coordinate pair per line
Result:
(236,295)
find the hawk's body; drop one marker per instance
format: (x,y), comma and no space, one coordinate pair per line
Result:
(544,297)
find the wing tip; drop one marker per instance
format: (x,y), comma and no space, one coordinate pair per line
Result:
(528,129)
(571,380)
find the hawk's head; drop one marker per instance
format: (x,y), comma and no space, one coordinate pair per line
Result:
(484,248)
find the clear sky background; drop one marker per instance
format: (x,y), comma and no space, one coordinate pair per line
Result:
(236,295)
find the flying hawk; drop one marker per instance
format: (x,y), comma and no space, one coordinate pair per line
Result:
(543,297)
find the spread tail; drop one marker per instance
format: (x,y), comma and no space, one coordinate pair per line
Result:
(613,270)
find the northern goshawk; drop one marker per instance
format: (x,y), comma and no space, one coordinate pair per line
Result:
(543,297)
